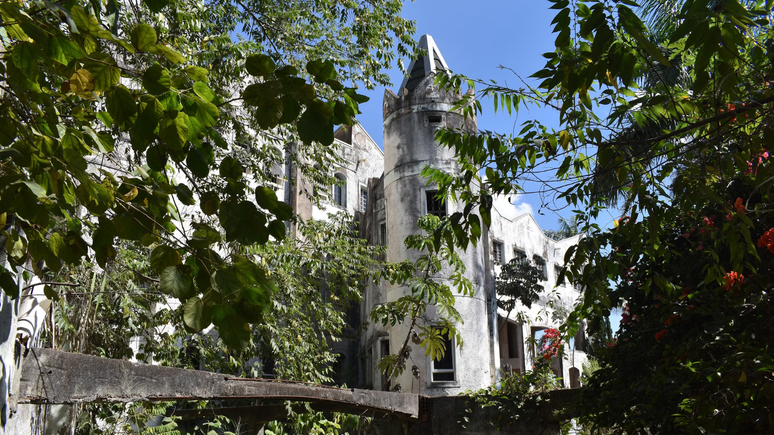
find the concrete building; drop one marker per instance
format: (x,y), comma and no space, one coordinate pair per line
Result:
(387,194)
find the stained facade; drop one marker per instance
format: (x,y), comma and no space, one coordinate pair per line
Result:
(386,192)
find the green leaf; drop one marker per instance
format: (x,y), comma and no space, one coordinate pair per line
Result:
(8,284)
(104,71)
(24,56)
(243,223)
(233,329)
(314,124)
(230,168)
(120,104)
(156,5)
(176,282)
(157,158)
(196,163)
(184,194)
(172,55)
(322,71)
(143,37)
(266,198)
(174,131)
(203,91)
(277,229)
(7,132)
(197,73)
(164,256)
(260,65)
(63,50)
(156,79)
(269,112)
(209,203)
(196,314)
(228,283)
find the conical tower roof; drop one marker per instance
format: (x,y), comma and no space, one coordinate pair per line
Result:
(424,65)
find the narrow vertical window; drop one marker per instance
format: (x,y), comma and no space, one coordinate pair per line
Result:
(434,205)
(384,350)
(340,190)
(363,199)
(497,252)
(540,263)
(443,370)
(513,340)
(383,234)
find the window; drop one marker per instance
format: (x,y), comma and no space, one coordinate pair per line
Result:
(340,190)
(540,263)
(513,340)
(497,252)
(557,272)
(434,119)
(519,255)
(580,336)
(384,350)
(363,199)
(383,234)
(434,205)
(443,370)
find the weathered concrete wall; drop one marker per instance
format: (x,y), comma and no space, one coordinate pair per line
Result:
(524,234)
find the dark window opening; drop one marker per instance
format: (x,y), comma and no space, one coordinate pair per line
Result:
(435,205)
(513,340)
(540,263)
(384,350)
(443,369)
(435,119)
(520,256)
(383,234)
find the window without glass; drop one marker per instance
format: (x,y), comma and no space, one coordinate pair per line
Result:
(540,263)
(363,199)
(383,234)
(557,272)
(513,340)
(443,370)
(497,252)
(519,255)
(340,190)
(384,350)
(434,205)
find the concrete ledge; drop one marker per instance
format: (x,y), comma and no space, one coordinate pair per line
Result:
(54,377)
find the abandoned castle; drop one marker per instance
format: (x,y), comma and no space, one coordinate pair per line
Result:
(387,194)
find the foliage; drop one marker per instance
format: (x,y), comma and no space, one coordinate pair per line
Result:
(518,397)
(519,281)
(691,255)
(425,289)
(567,228)
(118,118)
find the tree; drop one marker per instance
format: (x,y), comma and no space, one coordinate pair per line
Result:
(148,123)
(691,256)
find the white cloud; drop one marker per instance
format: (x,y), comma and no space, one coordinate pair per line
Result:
(510,207)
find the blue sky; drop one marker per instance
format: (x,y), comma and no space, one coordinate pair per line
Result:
(475,38)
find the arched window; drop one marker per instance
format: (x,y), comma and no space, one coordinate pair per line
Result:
(340,190)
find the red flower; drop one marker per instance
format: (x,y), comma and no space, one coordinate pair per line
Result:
(660,334)
(767,240)
(739,206)
(672,320)
(732,279)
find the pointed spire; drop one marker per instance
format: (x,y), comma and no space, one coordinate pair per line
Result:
(424,65)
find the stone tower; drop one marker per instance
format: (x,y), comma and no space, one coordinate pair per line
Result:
(411,119)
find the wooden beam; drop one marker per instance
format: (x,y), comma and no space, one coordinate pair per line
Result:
(54,377)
